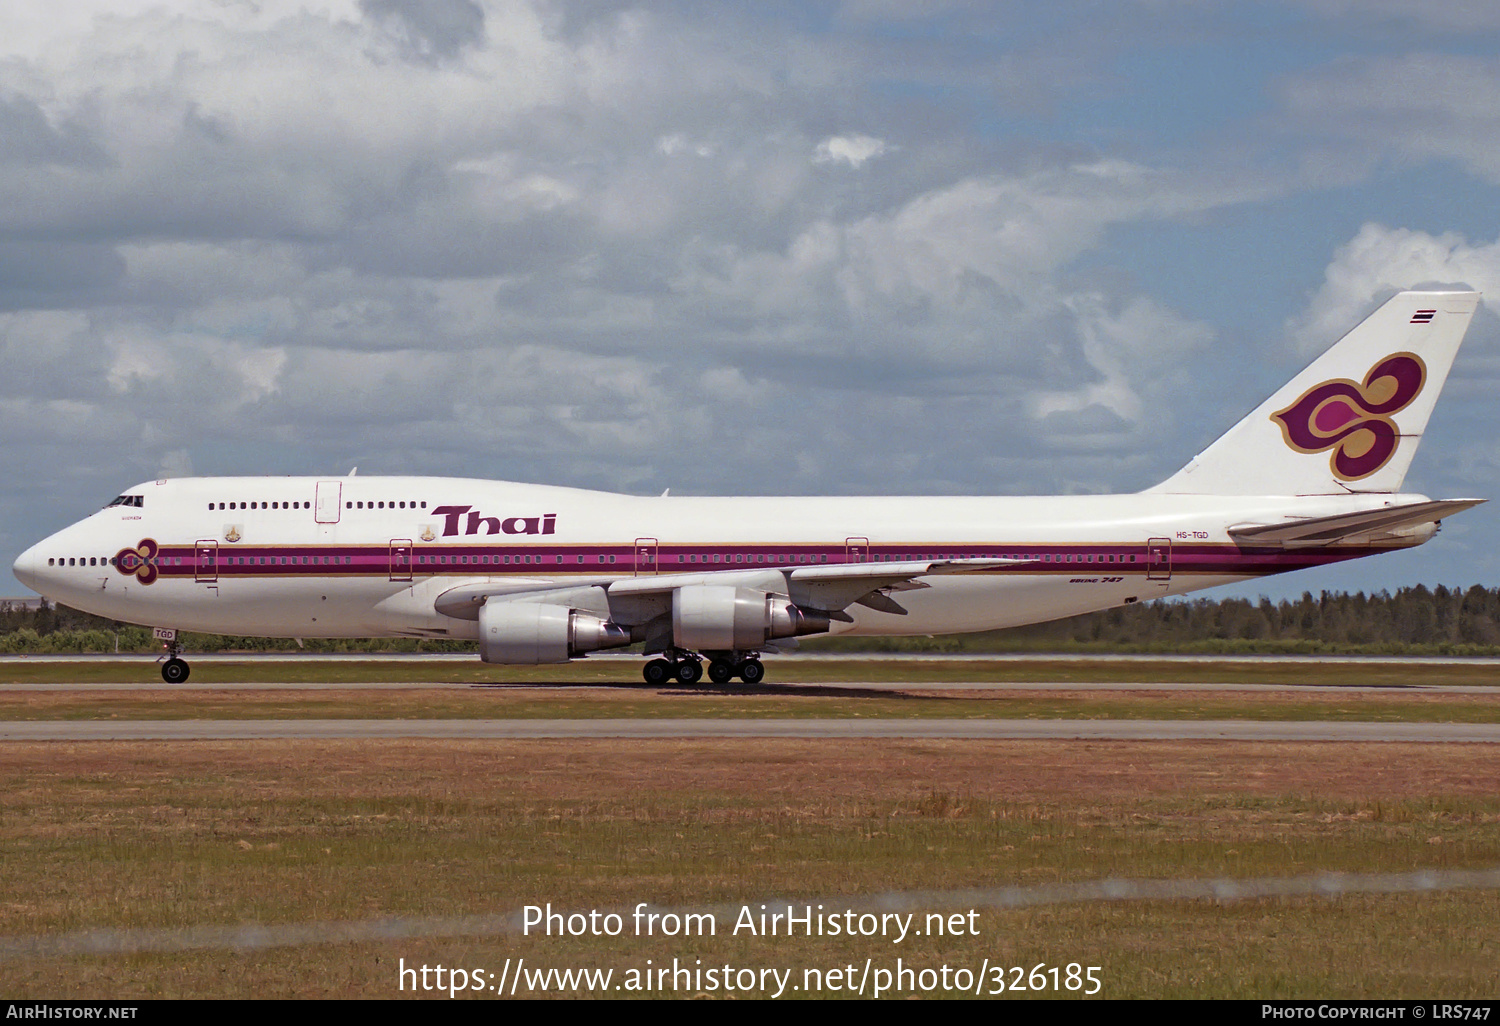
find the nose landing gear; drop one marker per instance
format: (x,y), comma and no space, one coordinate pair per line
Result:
(175,670)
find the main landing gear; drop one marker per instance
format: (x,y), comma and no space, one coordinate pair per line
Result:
(175,670)
(687,668)
(748,669)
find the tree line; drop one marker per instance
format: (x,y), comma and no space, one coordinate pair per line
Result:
(1415,620)
(1412,621)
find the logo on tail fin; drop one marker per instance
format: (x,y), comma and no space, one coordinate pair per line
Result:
(1352,419)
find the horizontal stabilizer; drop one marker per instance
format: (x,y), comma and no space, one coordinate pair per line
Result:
(1327,530)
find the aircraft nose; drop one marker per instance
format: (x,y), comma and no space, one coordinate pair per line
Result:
(27,568)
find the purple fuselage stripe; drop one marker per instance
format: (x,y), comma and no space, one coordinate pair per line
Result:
(192,561)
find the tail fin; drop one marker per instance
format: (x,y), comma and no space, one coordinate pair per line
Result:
(1351,421)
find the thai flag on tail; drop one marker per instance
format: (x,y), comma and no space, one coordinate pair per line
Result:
(1423,316)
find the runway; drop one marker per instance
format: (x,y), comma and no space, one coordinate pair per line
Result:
(790,659)
(777,687)
(931,729)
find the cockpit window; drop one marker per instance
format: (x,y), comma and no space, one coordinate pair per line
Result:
(129,500)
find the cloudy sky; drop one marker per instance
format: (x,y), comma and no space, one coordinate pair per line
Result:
(881,247)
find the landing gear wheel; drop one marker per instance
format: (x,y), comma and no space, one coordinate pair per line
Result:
(657,671)
(174,671)
(721,671)
(690,671)
(752,671)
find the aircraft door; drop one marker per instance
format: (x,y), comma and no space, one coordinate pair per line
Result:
(206,561)
(856,550)
(1158,559)
(645,557)
(329,502)
(400,559)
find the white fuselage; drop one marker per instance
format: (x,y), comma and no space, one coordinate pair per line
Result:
(370,556)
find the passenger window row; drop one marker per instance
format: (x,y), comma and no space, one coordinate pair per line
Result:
(261,505)
(754,558)
(496,560)
(290,505)
(283,560)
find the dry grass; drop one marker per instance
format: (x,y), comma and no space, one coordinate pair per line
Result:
(184,834)
(151,835)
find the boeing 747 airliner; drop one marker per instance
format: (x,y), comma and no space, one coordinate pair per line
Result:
(539,574)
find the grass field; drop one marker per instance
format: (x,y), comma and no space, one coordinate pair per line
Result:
(192,834)
(609,689)
(818,702)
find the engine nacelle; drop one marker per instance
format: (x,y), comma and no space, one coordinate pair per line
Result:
(530,633)
(723,618)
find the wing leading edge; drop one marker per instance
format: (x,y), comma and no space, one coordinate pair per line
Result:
(829,589)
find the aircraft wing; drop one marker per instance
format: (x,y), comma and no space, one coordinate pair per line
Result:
(826,587)
(1328,530)
(829,587)
(869,584)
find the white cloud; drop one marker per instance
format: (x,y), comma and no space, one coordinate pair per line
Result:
(1137,354)
(1016,232)
(853,150)
(483,220)
(669,145)
(1380,260)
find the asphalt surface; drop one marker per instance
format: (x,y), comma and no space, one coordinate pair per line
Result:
(783,659)
(768,688)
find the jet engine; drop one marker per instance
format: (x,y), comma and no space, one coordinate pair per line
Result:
(531,632)
(723,618)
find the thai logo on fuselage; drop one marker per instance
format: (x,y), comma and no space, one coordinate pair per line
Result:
(139,562)
(1354,419)
(455,522)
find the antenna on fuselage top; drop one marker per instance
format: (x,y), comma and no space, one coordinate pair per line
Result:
(353,471)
